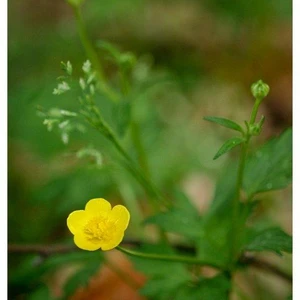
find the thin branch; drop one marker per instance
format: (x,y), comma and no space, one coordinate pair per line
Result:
(46,250)
(42,249)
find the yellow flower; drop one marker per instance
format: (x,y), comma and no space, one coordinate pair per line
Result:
(98,226)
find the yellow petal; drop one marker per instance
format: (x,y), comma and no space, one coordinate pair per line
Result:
(120,216)
(81,241)
(76,220)
(114,242)
(98,205)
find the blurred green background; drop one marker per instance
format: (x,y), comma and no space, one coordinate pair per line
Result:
(196,58)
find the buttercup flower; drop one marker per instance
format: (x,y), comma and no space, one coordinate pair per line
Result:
(98,226)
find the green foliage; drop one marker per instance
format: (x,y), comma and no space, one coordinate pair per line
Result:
(30,273)
(270,239)
(228,145)
(270,167)
(181,218)
(41,293)
(225,122)
(81,278)
(205,289)
(161,150)
(75,3)
(125,61)
(170,275)
(212,242)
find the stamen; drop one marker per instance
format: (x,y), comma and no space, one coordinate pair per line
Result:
(99,229)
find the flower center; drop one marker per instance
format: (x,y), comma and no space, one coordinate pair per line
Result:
(99,229)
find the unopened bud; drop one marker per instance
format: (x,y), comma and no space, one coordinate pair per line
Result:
(260,89)
(127,60)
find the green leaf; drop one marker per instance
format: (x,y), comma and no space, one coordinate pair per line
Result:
(41,293)
(270,167)
(225,189)
(228,145)
(271,239)
(34,267)
(212,243)
(164,279)
(182,218)
(80,279)
(215,288)
(225,122)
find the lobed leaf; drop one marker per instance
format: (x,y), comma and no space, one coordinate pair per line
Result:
(206,289)
(182,218)
(80,279)
(270,167)
(271,239)
(164,279)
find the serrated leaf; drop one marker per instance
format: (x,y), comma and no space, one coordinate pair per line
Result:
(228,145)
(225,190)
(225,122)
(169,275)
(213,243)
(271,239)
(182,218)
(270,167)
(80,279)
(215,288)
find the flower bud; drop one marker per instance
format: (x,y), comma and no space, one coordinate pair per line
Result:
(127,60)
(260,89)
(75,3)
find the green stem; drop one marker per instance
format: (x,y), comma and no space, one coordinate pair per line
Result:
(171,258)
(125,86)
(236,200)
(92,55)
(239,184)
(136,138)
(89,49)
(134,127)
(254,111)
(105,129)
